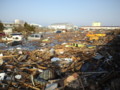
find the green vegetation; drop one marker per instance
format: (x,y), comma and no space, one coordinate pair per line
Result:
(1,26)
(26,29)
(29,27)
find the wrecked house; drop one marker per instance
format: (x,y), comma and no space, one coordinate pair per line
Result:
(64,62)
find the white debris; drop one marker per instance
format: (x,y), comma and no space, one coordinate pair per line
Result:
(19,48)
(55,59)
(40,70)
(1,54)
(61,52)
(18,76)
(68,59)
(1,60)
(64,43)
(2,75)
(52,86)
(8,70)
(20,52)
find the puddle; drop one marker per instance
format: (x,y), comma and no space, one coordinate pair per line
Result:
(33,45)
(26,46)
(2,45)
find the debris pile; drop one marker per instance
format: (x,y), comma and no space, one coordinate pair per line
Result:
(74,65)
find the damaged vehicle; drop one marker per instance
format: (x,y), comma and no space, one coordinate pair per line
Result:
(13,37)
(34,37)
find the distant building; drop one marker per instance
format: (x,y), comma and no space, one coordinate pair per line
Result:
(9,26)
(99,27)
(96,24)
(15,24)
(20,22)
(8,30)
(36,25)
(62,26)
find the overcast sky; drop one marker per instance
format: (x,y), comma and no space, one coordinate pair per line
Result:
(77,12)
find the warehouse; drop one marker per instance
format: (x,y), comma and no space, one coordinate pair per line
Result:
(99,27)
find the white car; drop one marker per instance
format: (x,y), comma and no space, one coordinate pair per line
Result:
(34,37)
(7,38)
(14,37)
(17,36)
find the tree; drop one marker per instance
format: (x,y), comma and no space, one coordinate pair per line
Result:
(1,26)
(18,29)
(29,28)
(26,29)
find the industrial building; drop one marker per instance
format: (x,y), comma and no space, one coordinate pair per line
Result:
(61,26)
(99,27)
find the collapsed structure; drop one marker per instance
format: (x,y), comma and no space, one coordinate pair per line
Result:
(73,63)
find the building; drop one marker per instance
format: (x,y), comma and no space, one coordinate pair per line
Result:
(20,22)
(8,27)
(15,24)
(62,26)
(96,24)
(36,25)
(8,30)
(99,27)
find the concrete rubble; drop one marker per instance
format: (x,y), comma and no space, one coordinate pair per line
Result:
(64,61)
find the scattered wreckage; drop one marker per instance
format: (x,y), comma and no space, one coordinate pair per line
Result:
(79,65)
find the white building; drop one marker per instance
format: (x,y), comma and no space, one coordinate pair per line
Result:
(99,27)
(62,26)
(8,31)
(17,21)
(96,24)
(36,25)
(8,27)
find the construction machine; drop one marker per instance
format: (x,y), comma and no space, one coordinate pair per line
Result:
(94,36)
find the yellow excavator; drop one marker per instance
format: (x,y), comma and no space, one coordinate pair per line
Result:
(94,36)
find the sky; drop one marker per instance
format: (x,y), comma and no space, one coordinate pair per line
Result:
(46,12)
